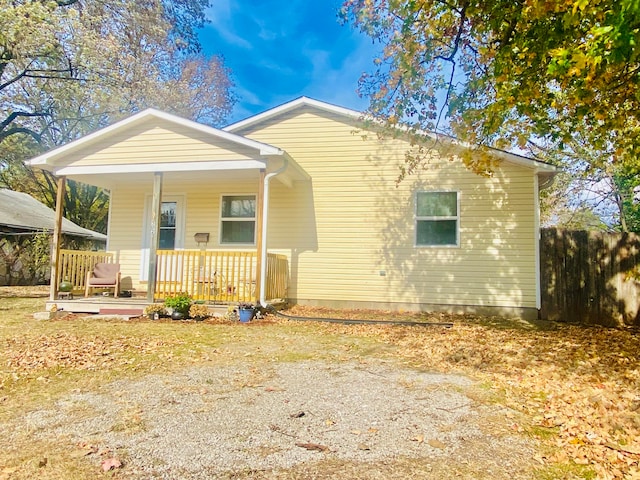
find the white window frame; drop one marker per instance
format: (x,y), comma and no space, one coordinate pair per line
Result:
(238,219)
(180,200)
(418,218)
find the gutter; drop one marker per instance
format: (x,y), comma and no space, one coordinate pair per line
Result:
(265,210)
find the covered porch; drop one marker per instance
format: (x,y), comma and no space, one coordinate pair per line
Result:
(189,211)
(210,276)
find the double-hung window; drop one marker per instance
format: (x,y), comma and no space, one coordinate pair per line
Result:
(168,226)
(437,219)
(238,219)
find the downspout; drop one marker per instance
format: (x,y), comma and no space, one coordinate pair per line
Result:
(265,210)
(536,227)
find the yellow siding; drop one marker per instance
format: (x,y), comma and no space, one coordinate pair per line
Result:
(158,142)
(349,233)
(125,232)
(201,195)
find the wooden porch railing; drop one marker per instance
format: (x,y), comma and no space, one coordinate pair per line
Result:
(212,276)
(218,276)
(74,265)
(277,276)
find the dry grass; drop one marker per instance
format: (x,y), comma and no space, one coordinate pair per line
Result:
(577,388)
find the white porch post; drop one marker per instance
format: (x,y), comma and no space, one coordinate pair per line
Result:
(156,204)
(57,236)
(259,234)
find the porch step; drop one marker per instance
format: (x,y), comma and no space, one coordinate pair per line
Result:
(121,311)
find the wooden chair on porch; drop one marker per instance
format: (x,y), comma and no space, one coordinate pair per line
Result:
(210,285)
(104,275)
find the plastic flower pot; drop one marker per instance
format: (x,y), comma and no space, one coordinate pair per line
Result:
(246,314)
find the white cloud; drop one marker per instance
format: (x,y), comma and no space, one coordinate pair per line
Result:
(220,17)
(338,85)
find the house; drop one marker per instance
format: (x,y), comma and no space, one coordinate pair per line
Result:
(22,217)
(301,202)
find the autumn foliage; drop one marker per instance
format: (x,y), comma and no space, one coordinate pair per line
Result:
(558,79)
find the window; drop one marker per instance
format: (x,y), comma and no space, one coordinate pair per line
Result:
(171,236)
(238,219)
(437,218)
(167,240)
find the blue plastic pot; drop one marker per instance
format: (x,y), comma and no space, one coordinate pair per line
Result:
(246,314)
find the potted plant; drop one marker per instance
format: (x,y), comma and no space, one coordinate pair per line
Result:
(246,312)
(65,285)
(199,312)
(179,305)
(155,311)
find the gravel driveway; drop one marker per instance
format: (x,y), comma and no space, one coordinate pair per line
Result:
(311,419)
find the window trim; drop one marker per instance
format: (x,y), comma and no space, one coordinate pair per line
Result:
(417,218)
(238,219)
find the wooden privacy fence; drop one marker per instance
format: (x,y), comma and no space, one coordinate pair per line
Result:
(218,276)
(590,277)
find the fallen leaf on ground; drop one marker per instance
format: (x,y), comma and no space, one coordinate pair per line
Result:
(83,450)
(313,446)
(273,389)
(435,443)
(111,464)
(624,448)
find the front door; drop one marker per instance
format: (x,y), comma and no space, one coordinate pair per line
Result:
(171,230)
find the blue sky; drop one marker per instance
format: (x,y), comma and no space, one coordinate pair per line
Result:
(279,50)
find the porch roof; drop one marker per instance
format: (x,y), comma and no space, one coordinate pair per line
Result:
(154,141)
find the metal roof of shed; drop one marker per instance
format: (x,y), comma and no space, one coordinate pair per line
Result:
(20,211)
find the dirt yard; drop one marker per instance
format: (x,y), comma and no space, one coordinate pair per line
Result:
(488,398)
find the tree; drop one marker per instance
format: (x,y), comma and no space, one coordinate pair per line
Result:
(509,74)
(575,204)
(92,60)
(72,66)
